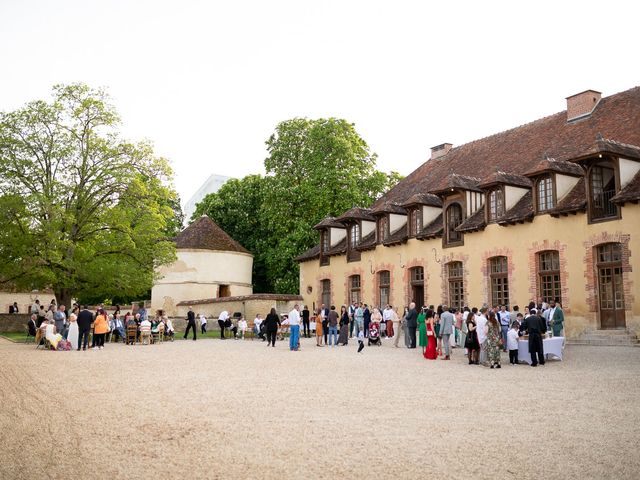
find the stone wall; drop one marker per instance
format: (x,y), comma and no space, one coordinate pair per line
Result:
(13,323)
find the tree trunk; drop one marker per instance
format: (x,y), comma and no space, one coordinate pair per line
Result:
(64,297)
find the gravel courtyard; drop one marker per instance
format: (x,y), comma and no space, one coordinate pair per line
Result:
(237,409)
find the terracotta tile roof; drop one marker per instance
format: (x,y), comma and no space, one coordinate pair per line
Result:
(604,145)
(474,223)
(388,207)
(553,165)
(433,230)
(423,199)
(328,222)
(368,242)
(504,178)
(356,213)
(521,149)
(574,201)
(455,181)
(399,236)
(311,254)
(630,193)
(520,212)
(205,234)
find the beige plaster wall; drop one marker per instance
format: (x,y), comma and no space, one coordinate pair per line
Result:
(572,236)
(24,300)
(197,274)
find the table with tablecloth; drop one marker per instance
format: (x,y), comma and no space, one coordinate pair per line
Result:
(552,346)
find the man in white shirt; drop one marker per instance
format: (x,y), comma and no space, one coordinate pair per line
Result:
(387,316)
(294,327)
(481,322)
(223,321)
(256,326)
(203,324)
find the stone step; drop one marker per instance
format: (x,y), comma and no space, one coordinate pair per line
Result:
(621,342)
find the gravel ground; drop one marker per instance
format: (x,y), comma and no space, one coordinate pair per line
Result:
(237,409)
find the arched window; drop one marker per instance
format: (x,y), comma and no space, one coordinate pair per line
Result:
(326,292)
(453,219)
(499,276)
(354,288)
(456,284)
(602,187)
(384,287)
(545,196)
(549,286)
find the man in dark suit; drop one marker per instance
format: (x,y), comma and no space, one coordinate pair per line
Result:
(536,326)
(412,324)
(85,318)
(367,320)
(191,323)
(305,322)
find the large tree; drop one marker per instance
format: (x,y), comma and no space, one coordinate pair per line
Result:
(82,210)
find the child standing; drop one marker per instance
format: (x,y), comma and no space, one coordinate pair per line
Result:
(512,343)
(360,340)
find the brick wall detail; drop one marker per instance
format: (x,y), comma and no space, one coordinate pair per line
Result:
(561,248)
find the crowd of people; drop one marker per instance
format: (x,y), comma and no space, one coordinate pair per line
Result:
(481,332)
(61,332)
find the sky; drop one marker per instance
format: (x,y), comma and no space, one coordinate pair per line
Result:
(208,81)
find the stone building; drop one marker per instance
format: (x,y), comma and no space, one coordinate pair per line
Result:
(210,264)
(547,209)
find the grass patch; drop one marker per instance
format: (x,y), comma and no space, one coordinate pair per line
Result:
(15,336)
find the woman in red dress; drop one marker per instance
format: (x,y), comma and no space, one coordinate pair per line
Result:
(430,352)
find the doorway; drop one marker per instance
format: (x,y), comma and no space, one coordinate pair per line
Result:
(610,286)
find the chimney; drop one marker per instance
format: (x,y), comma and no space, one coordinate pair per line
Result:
(582,104)
(440,150)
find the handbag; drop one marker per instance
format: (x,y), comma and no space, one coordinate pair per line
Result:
(429,333)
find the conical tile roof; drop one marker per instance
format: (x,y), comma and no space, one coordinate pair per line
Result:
(205,234)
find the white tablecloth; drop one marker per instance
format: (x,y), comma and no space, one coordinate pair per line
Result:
(552,346)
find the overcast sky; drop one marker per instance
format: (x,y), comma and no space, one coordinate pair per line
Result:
(208,81)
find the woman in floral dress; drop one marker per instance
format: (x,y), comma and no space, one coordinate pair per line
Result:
(493,341)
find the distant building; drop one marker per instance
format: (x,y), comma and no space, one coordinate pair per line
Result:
(212,185)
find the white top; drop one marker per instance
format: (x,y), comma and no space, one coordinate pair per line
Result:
(257,321)
(481,322)
(203,320)
(512,339)
(242,325)
(224,315)
(294,317)
(169,326)
(387,314)
(361,336)
(145,325)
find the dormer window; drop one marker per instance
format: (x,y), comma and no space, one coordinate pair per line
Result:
(544,194)
(325,245)
(496,204)
(602,188)
(415,221)
(383,228)
(453,219)
(353,255)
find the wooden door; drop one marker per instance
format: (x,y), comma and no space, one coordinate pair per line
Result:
(417,295)
(610,288)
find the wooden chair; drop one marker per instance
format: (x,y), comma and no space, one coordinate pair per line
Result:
(159,335)
(132,334)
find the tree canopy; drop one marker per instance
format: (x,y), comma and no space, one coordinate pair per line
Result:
(82,210)
(315,168)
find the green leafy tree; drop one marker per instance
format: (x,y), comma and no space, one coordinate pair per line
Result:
(83,211)
(237,208)
(316,168)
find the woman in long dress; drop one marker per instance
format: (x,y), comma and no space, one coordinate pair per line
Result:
(430,352)
(422,337)
(72,335)
(319,327)
(493,340)
(343,338)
